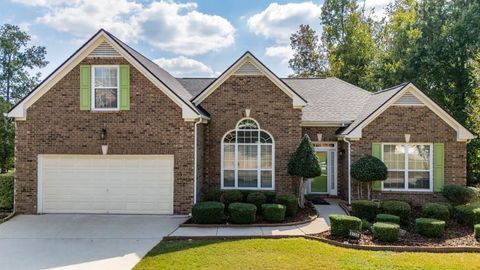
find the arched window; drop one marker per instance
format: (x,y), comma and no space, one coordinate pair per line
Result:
(248,155)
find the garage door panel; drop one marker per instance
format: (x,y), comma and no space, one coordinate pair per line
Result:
(124,184)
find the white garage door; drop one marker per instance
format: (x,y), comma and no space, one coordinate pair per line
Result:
(117,184)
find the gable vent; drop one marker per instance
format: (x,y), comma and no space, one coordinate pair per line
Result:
(408,99)
(104,50)
(248,69)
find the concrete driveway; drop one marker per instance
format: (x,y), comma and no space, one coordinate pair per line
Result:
(81,241)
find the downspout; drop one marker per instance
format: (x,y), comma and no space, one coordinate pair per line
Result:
(349,177)
(195,156)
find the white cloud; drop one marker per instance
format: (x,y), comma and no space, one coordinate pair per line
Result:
(285,53)
(378,6)
(170,26)
(279,22)
(185,67)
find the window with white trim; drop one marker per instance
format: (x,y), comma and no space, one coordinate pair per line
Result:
(248,154)
(105,88)
(409,167)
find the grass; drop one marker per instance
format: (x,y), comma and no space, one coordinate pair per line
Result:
(291,253)
(6,190)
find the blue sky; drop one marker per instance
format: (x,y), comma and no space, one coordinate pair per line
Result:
(187,38)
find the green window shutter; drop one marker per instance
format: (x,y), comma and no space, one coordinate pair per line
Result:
(377,152)
(124,87)
(85,87)
(438,166)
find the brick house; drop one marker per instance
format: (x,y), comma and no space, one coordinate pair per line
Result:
(109,131)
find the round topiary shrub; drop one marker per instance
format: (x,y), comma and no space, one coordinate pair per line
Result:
(476,228)
(273,212)
(457,194)
(364,209)
(397,208)
(342,224)
(232,196)
(242,213)
(436,211)
(290,201)
(430,227)
(257,198)
(212,195)
(208,212)
(468,214)
(369,169)
(386,218)
(386,232)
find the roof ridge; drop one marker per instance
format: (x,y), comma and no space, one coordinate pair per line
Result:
(351,84)
(392,88)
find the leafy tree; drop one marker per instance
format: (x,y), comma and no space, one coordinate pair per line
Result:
(15,58)
(304,163)
(309,59)
(369,169)
(7,138)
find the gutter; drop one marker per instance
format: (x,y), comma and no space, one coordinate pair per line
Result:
(349,177)
(195,157)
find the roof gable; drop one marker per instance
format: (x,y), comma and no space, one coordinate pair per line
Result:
(159,77)
(382,100)
(248,64)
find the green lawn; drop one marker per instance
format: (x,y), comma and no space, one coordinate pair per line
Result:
(291,253)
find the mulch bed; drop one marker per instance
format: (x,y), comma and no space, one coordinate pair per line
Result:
(4,214)
(455,235)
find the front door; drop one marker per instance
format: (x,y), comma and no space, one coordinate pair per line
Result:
(326,182)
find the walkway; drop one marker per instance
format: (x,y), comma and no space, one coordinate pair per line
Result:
(319,225)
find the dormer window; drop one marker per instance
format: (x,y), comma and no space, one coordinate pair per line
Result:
(105,88)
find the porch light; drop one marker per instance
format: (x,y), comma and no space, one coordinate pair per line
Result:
(103,134)
(407,138)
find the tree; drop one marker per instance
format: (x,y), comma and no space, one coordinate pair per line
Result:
(304,163)
(369,169)
(15,58)
(7,138)
(309,59)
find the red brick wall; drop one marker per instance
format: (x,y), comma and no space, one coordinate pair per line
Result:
(423,126)
(274,112)
(55,125)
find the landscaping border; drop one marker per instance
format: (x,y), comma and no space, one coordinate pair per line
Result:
(311,219)
(5,219)
(462,249)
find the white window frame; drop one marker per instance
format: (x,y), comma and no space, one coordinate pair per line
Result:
(92,93)
(406,170)
(259,161)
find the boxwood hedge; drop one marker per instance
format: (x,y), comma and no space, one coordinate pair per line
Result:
(208,212)
(342,224)
(386,232)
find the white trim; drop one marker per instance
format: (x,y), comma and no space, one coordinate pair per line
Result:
(406,170)
(297,101)
(92,89)
(258,168)
(329,150)
(39,184)
(20,111)
(325,123)
(463,135)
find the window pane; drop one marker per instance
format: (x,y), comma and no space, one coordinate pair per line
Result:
(230,137)
(229,157)
(105,98)
(106,77)
(247,156)
(394,156)
(419,180)
(247,124)
(265,138)
(247,178)
(266,179)
(247,136)
(229,178)
(395,180)
(419,157)
(266,155)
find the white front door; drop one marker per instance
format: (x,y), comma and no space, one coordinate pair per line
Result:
(326,183)
(116,184)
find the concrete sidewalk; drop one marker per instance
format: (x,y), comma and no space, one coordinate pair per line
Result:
(319,225)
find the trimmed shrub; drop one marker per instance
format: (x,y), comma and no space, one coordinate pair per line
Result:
(232,196)
(457,194)
(6,191)
(448,205)
(364,209)
(342,224)
(208,212)
(397,208)
(468,214)
(386,218)
(386,232)
(436,211)
(270,195)
(257,198)
(476,190)
(476,228)
(369,169)
(273,212)
(242,213)
(366,225)
(212,195)
(290,201)
(430,227)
